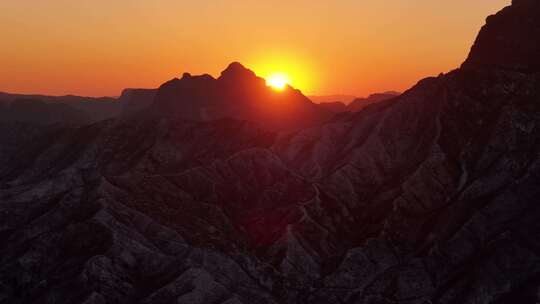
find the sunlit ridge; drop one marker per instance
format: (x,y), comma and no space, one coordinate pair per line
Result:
(277,81)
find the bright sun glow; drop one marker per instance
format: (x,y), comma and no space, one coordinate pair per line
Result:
(277,81)
(282,68)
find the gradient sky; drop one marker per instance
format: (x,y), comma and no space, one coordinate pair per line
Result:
(99,47)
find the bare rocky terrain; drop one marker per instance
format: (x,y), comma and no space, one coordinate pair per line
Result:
(429,197)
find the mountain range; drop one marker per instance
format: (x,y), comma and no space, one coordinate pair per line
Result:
(224,191)
(357,104)
(71,109)
(239,94)
(218,102)
(345,99)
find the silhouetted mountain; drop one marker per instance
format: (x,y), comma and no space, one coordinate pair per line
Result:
(130,102)
(360,103)
(335,107)
(428,197)
(67,99)
(136,100)
(95,109)
(36,111)
(346,99)
(238,93)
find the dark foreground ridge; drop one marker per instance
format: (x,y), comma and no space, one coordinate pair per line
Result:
(429,197)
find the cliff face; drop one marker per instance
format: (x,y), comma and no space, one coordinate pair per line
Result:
(430,197)
(509,39)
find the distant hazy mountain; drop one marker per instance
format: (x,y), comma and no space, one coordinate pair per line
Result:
(358,104)
(237,93)
(68,99)
(346,99)
(428,197)
(135,100)
(290,105)
(39,112)
(63,108)
(94,109)
(335,107)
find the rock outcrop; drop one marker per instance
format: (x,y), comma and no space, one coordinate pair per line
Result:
(509,39)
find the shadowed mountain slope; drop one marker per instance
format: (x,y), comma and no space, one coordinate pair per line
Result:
(429,197)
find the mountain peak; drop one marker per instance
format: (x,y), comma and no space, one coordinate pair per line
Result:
(236,65)
(236,70)
(507,40)
(239,94)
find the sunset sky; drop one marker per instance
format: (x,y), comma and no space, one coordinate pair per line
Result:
(99,47)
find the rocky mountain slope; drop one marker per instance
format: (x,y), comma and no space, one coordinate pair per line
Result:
(430,197)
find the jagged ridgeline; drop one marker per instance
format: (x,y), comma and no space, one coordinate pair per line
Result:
(428,197)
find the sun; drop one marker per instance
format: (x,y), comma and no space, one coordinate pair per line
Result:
(277,81)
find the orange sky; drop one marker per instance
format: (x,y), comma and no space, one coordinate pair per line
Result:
(99,47)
